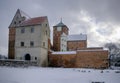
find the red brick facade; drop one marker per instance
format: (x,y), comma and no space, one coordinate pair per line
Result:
(76,45)
(57,36)
(11,48)
(82,59)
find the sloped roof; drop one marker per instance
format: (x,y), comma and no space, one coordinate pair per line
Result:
(77,37)
(34,21)
(61,24)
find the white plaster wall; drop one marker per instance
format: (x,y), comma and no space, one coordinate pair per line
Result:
(28,36)
(38,50)
(63,43)
(34,52)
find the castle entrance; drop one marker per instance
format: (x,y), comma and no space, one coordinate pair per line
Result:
(27,57)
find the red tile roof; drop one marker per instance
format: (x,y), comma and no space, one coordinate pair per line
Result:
(33,21)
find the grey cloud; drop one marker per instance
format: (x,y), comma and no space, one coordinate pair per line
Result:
(102,10)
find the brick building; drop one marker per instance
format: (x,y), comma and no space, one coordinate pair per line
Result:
(29,39)
(59,30)
(76,42)
(72,51)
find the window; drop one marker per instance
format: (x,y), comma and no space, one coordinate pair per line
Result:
(44,44)
(19,21)
(22,43)
(32,30)
(23,30)
(46,32)
(31,43)
(46,25)
(59,28)
(35,58)
(14,22)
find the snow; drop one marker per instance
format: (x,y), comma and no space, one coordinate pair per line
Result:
(57,75)
(66,52)
(91,50)
(76,37)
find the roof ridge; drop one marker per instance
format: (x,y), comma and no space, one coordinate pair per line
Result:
(33,21)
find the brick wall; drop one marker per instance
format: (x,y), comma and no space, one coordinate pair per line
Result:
(92,59)
(11,48)
(82,59)
(75,45)
(57,37)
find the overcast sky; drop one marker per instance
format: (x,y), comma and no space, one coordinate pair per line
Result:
(99,19)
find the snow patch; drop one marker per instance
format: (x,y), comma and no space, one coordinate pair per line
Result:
(67,52)
(76,37)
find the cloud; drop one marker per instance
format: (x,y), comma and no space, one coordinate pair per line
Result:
(98,19)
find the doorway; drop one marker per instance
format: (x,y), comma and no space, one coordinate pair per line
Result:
(27,57)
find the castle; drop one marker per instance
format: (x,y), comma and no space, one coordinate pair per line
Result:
(29,39)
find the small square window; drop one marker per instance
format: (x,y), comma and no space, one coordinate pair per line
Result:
(19,21)
(23,30)
(35,58)
(44,44)
(14,22)
(31,43)
(32,30)
(22,43)
(46,25)
(46,32)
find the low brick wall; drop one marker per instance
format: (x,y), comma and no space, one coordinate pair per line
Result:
(82,59)
(18,63)
(92,59)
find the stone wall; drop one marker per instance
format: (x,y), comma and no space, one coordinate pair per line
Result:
(16,63)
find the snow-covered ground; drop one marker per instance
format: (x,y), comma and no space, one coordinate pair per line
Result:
(57,75)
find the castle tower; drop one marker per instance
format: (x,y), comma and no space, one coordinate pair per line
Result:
(58,30)
(18,18)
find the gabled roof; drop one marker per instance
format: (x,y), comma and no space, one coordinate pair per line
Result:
(77,37)
(18,18)
(34,21)
(61,24)
(23,14)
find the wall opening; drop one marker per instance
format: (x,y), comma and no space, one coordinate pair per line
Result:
(27,57)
